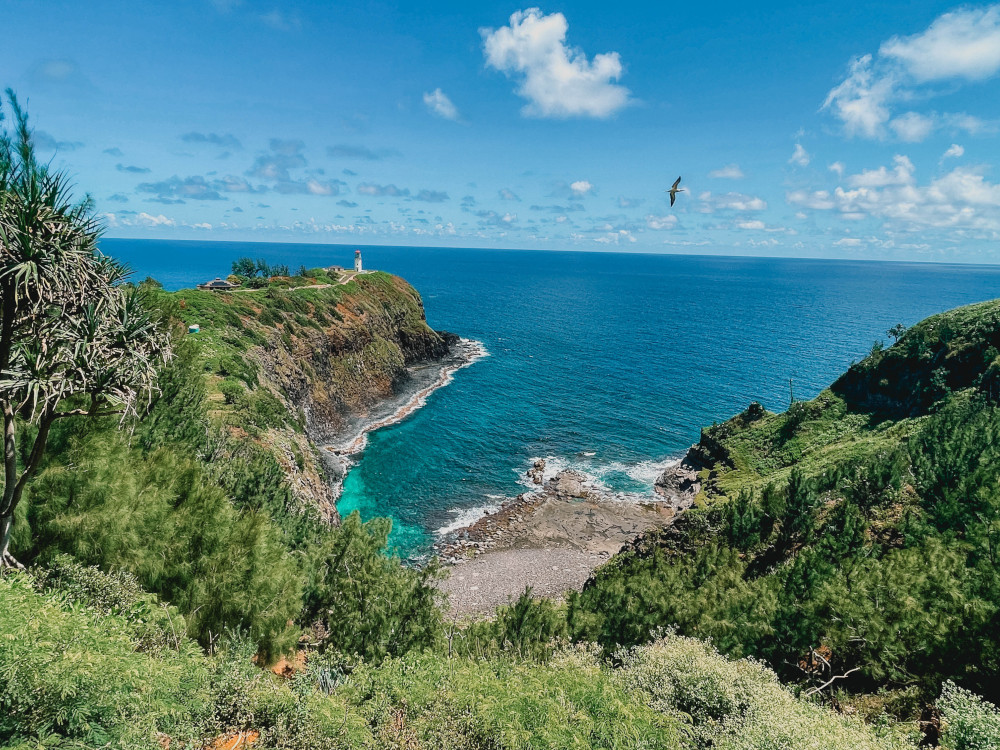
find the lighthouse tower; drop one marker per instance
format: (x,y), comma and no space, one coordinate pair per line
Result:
(357,261)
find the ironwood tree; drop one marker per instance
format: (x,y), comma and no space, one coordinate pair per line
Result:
(75,340)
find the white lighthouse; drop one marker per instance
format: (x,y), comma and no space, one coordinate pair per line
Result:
(357,261)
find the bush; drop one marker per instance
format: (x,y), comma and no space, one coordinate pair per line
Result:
(67,674)
(162,519)
(429,701)
(367,603)
(738,705)
(970,723)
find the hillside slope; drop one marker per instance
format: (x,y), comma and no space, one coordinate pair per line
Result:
(293,367)
(852,538)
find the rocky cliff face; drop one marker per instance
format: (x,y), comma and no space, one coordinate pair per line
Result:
(292,368)
(336,372)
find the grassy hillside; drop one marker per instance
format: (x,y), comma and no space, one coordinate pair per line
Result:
(852,538)
(293,362)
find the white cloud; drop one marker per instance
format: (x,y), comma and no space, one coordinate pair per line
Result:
(439,103)
(557,80)
(661,222)
(615,238)
(961,200)
(848,242)
(751,224)
(954,151)
(730,202)
(963,44)
(837,168)
(580,188)
(860,100)
(506,194)
(912,127)
(800,156)
(901,174)
(728,172)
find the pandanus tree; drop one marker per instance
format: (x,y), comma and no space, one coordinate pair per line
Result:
(75,341)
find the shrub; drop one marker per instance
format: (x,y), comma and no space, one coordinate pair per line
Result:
(970,723)
(738,705)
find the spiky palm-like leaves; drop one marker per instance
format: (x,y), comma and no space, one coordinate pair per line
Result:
(69,330)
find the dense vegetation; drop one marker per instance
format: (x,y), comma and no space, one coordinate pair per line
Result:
(836,543)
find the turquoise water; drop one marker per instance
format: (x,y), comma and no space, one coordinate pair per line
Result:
(609,363)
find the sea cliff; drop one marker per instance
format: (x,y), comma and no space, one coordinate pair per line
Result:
(295,367)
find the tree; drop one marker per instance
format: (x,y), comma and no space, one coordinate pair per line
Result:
(896,332)
(74,340)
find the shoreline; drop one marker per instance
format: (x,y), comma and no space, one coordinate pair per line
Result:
(339,453)
(551,539)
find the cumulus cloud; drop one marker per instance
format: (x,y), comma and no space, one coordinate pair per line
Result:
(557,80)
(912,127)
(954,151)
(349,151)
(130,219)
(751,224)
(580,188)
(439,103)
(382,191)
(225,140)
(132,169)
(728,172)
(275,165)
(177,190)
(960,46)
(800,156)
(962,199)
(709,203)
(900,174)
(661,222)
(431,196)
(494,219)
(837,168)
(46,142)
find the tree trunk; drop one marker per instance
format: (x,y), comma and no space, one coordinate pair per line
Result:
(6,559)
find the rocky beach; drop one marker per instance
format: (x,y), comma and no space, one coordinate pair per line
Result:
(552,538)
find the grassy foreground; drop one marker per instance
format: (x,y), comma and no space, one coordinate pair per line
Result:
(89,660)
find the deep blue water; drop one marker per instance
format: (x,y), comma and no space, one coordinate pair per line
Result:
(620,356)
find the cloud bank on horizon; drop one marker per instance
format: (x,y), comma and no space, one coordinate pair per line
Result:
(541,129)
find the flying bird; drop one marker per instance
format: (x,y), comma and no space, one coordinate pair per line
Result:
(674,190)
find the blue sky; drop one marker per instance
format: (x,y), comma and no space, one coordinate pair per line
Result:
(823,129)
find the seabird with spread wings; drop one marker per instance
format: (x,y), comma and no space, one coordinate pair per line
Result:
(674,190)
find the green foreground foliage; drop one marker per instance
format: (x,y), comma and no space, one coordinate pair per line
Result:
(89,660)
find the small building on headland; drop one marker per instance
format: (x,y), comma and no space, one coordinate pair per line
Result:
(218,285)
(357,261)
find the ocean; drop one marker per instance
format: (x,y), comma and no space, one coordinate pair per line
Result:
(608,363)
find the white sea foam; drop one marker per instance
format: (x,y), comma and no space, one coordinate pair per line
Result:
(466,517)
(598,475)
